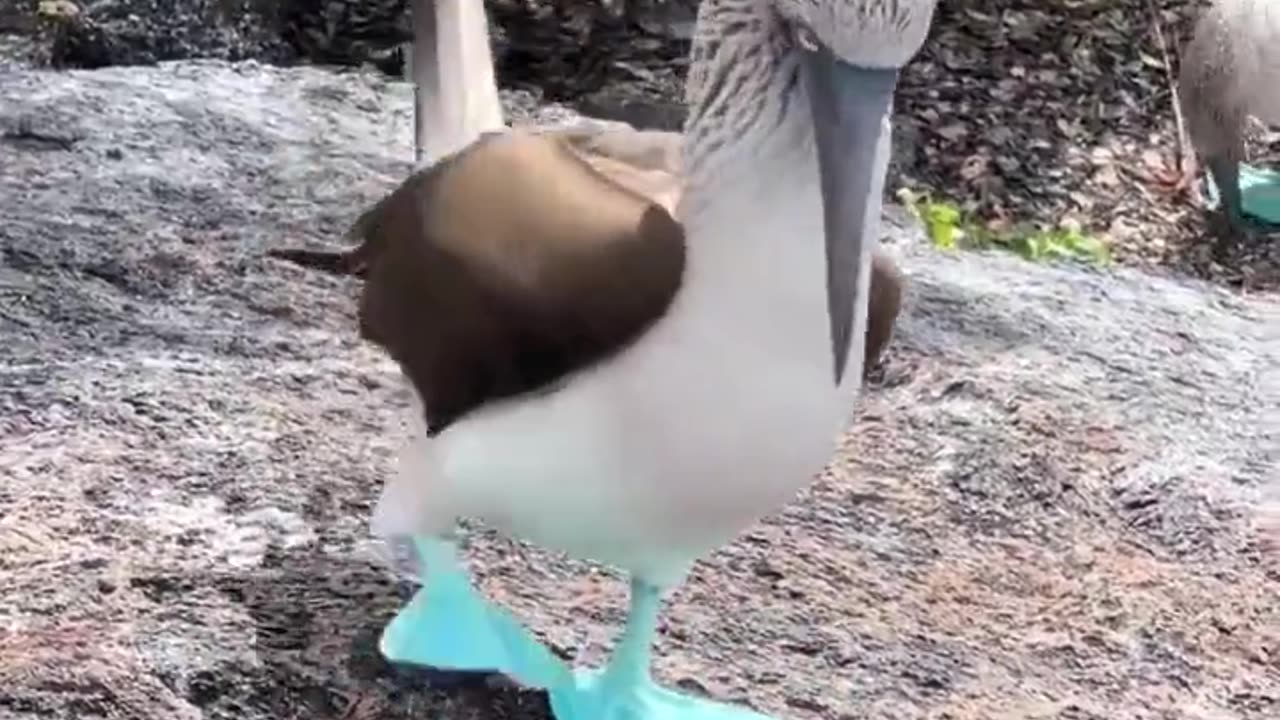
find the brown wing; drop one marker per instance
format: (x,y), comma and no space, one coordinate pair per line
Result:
(647,163)
(505,268)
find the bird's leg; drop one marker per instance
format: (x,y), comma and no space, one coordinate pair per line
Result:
(625,689)
(424,70)
(1231,223)
(455,95)
(629,666)
(1226,176)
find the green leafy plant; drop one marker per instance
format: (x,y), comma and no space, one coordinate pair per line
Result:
(949,228)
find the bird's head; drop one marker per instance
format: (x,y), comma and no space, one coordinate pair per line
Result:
(850,52)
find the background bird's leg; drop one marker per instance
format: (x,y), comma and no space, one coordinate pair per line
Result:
(455,94)
(424,72)
(1226,175)
(466,68)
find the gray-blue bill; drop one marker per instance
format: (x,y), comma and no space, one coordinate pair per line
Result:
(850,107)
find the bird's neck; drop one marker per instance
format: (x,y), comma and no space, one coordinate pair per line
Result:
(749,153)
(763,178)
(740,64)
(752,210)
(746,118)
(755,271)
(753,220)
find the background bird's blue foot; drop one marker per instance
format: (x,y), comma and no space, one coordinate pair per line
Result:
(593,698)
(448,625)
(1259,197)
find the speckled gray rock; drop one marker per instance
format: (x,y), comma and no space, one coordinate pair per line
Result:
(1045,510)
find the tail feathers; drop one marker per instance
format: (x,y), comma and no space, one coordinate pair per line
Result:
(331,261)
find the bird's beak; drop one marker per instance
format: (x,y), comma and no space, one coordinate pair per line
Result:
(851,108)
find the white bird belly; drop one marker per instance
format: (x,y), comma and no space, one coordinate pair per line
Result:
(644,463)
(654,474)
(716,416)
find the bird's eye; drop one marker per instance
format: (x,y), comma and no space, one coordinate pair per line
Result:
(805,38)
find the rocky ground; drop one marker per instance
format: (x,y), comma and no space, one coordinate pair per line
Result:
(1054,503)
(1049,507)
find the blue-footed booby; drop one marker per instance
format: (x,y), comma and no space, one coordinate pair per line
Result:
(601,375)
(1229,71)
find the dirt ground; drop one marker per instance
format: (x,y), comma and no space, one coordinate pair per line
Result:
(1048,508)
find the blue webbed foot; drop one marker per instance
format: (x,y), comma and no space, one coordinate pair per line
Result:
(1249,196)
(448,625)
(624,690)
